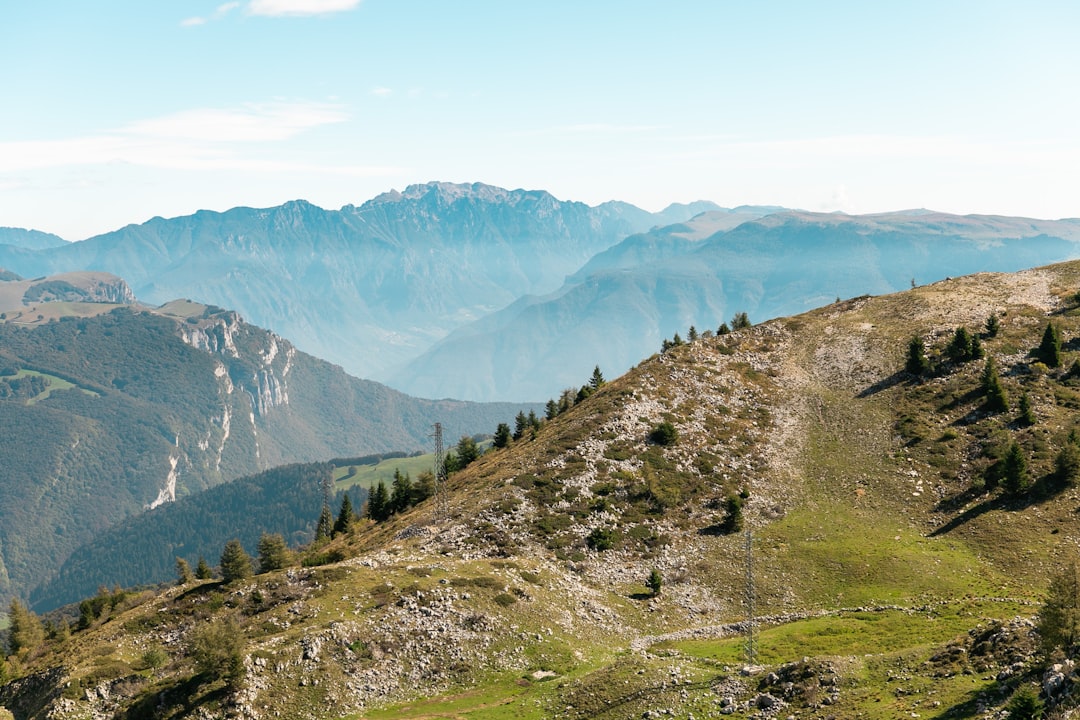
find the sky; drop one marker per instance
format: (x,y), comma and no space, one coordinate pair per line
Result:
(117,111)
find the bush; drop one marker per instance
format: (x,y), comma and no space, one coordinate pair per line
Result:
(601,539)
(664,434)
(218,650)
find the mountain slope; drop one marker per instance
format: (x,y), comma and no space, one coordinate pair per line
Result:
(891,576)
(111,413)
(652,285)
(396,273)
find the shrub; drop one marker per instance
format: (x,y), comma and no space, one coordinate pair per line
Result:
(601,539)
(664,434)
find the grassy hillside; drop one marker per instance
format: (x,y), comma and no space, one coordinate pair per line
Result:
(896,570)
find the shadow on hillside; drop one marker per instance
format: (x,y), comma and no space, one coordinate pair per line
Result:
(204,588)
(183,694)
(1043,489)
(897,378)
(971,705)
(717,529)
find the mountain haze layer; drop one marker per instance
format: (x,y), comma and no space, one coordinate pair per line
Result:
(622,304)
(369,286)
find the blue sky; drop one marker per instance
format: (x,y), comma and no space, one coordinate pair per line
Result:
(117,111)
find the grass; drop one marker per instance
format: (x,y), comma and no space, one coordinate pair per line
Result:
(55,384)
(368,476)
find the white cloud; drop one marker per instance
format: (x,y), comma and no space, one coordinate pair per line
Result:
(193,21)
(278,8)
(193,139)
(251,123)
(220,12)
(381,91)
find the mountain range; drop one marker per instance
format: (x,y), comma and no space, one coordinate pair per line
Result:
(481,293)
(110,409)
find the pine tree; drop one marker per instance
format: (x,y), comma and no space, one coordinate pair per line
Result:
(1059,619)
(378,504)
(691,334)
(1025,704)
(977,351)
(401,493)
(1049,350)
(917,364)
(468,451)
(183,572)
(1027,413)
(992,325)
(741,321)
(1067,464)
(597,378)
(25,632)
(202,570)
(654,582)
(235,562)
(959,350)
(273,552)
(345,517)
(424,487)
(996,398)
(723,329)
(1015,470)
(324,529)
(502,432)
(521,424)
(534,422)
(551,410)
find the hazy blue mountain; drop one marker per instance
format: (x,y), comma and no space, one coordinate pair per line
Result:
(29,239)
(369,286)
(112,412)
(619,307)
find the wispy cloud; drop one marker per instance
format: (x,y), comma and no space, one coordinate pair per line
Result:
(278,8)
(381,91)
(220,12)
(194,139)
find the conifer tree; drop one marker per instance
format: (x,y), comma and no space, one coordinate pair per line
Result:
(324,529)
(741,321)
(1067,464)
(551,410)
(691,334)
(597,378)
(25,632)
(959,350)
(235,562)
(202,570)
(424,487)
(534,422)
(996,398)
(654,582)
(521,424)
(723,329)
(273,552)
(345,517)
(502,432)
(1015,470)
(917,364)
(183,572)
(378,504)
(401,494)
(977,352)
(1027,413)
(468,451)
(993,325)
(1059,619)
(1049,350)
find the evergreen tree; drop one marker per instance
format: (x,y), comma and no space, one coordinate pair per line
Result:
(566,400)
(218,650)
(1067,464)
(273,552)
(343,524)
(401,492)
(996,398)
(235,562)
(534,422)
(917,364)
(959,350)
(676,341)
(183,572)
(551,411)
(977,351)
(1015,470)
(733,514)
(1025,704)
(468,450)
(202,570)
(597,378)
(502,433)
(741,321)
(1027,413)
(521,424)
(378,504)
(1049,350)
(691,334)
(424,487)
(1059,618)
(723,329)
(992,325)
(654,582)
(25,632)
(324,529)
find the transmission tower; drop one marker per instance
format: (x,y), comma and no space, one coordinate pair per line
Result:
(442,501)
(751,650)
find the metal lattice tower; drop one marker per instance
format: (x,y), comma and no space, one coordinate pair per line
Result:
(442,500)
(751,649)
